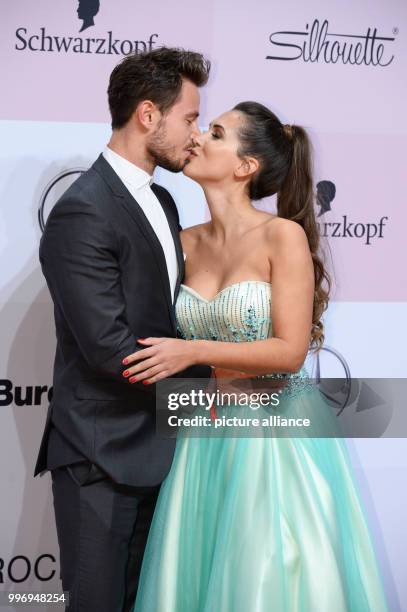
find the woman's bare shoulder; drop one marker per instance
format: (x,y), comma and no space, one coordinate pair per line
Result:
(281,229)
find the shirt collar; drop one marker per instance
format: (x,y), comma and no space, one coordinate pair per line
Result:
(127,171)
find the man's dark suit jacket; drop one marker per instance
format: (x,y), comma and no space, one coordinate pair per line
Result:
(107,275)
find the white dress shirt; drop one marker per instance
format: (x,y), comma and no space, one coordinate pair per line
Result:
(138,182)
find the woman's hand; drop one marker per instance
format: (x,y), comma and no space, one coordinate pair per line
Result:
(162,358)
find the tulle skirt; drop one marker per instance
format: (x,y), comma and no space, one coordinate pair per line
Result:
(260,524)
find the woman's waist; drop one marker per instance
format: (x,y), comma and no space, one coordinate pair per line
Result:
(289,383)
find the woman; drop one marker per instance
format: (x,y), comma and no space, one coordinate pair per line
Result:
(263,523)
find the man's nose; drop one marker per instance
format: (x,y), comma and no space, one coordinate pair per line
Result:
(197,138)
(196,133)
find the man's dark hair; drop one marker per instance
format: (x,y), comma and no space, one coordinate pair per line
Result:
(156,76)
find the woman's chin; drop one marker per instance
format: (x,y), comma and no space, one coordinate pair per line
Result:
(189,171)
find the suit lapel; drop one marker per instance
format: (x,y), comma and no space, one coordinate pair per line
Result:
(137,214)
(175,235)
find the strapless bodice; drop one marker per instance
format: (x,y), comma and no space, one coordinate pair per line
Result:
(239,313)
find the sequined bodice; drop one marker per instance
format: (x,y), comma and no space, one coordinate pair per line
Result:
(238,313)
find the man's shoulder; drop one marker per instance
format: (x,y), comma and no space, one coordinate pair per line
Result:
(86,206)
(88,191)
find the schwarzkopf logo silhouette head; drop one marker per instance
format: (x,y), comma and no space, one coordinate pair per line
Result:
(326,192)
(87,9)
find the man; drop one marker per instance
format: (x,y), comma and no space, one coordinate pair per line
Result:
(112,258)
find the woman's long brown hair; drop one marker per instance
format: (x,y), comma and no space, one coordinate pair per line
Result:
(285,156)
(295,201)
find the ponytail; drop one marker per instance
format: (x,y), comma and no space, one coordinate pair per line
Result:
(284,153)
(295,201)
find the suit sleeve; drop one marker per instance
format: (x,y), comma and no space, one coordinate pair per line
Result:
(78,255)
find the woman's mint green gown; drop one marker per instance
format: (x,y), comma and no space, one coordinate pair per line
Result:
(257,524)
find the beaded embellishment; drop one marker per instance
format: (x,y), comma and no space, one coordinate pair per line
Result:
(239,313)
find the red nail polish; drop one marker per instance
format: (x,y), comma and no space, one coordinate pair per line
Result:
(141,339)
(132,379)
(146,382)
(126,373)
(125,361)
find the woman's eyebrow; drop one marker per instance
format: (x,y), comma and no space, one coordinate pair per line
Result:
(216,125)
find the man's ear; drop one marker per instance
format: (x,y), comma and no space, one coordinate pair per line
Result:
(247,167)
(148,114)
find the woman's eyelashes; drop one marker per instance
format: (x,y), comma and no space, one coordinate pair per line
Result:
(215,135)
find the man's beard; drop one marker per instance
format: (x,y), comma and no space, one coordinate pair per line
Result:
(163,153)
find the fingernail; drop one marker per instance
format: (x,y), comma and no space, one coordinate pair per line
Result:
(146,382)
(133,379)
(141,339)
(126,373)
(125,361)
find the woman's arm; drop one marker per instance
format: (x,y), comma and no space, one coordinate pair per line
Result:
(292,287)
(292,279)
